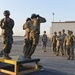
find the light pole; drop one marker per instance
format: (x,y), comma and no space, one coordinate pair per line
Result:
(52,23)
(53,16)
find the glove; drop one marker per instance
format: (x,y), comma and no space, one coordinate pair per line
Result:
(38,15)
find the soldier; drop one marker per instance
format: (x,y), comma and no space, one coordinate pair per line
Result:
(27,42)
(36,20)
(44,42)
(7,25)
(72,40)
(54,42)
(64,45)
(68,43)
(59,43)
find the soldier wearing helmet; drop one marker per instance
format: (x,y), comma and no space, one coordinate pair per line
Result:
(6,13)
(44,32)
(54,43)
(59,43)
(55,32)
(44,42)
(64,45)
(7,25)
(33,16)
(72,41)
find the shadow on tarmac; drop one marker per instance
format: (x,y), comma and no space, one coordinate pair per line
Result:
(47,72)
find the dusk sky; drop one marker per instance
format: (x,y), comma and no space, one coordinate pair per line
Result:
(64,10)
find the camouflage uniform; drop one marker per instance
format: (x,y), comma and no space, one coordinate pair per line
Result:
(64,45)
(59,44)
(44,42)
(54,43)
(68,45)
(35,31)
(27,41)
(72,39)
(7,32)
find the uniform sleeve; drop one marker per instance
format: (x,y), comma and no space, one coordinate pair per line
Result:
(2,24)
(74,38)
(46,38)
(41,19)
(25,25)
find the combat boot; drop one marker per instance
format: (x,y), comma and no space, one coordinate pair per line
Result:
(62,54)
(68,58)
(29,57)
(4,55)
(72,57)
(45,51)
(8,57)
(1,53)
(57,54)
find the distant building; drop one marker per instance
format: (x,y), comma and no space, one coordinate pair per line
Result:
(58,26)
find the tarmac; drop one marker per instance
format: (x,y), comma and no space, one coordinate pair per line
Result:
(52,64)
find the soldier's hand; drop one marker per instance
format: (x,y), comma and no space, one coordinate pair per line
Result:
(37,15)
(5,19)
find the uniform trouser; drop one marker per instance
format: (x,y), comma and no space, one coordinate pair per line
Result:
(7,43)
(70,51)
(34,40)
(60,47)
(53,47)
(64,49)
(26,47)
(44,46)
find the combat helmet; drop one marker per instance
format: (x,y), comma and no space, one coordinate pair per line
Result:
(28,19)
(44,31)
(63,30)
(55,32)
(59,32)
(6,12)
(33,16)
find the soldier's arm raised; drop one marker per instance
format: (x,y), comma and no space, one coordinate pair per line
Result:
(41,19)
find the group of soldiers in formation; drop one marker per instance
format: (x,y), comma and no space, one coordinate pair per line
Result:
(63,43)
(31,37)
